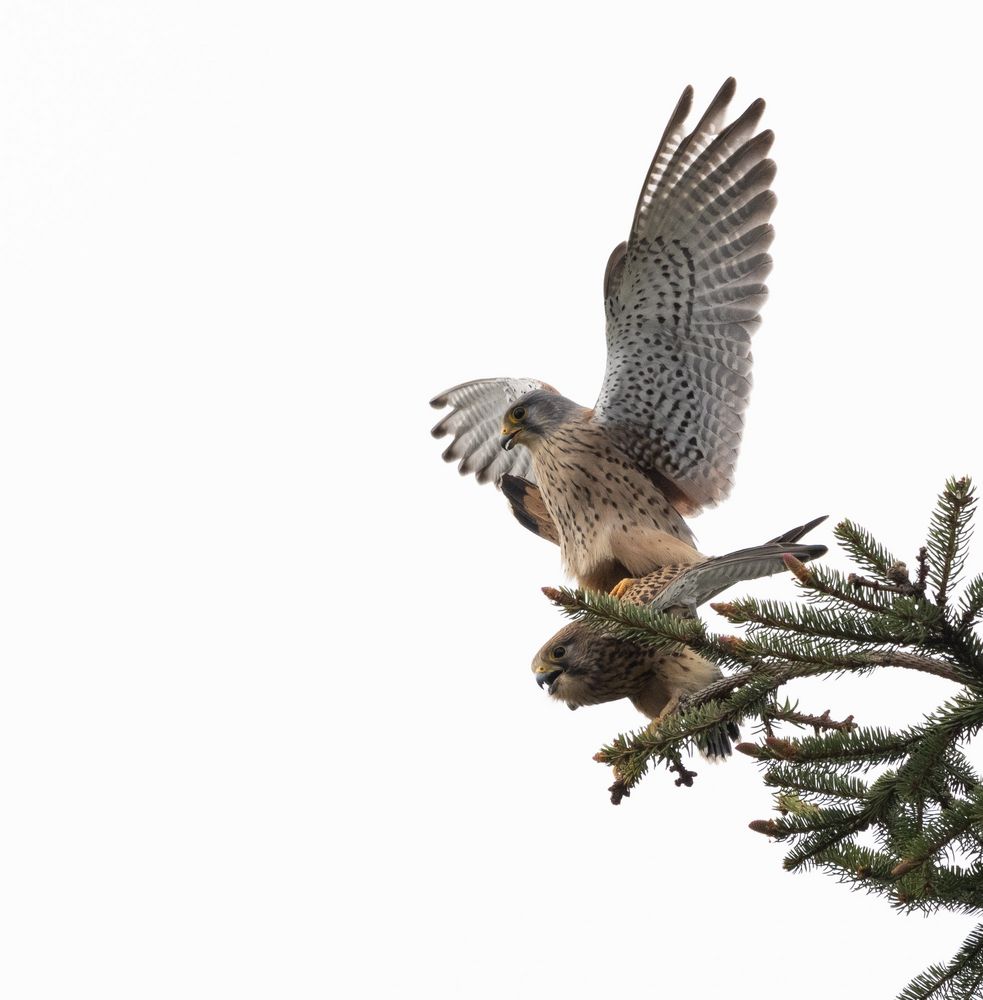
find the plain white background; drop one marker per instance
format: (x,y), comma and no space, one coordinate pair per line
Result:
(267,726)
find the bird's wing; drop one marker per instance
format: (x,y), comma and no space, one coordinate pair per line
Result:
(682,299)
(527,505)
(475,421)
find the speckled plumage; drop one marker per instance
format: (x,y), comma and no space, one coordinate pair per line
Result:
(612,521)
(580,667)
(681,297)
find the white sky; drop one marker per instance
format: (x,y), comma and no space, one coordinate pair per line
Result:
(267,725)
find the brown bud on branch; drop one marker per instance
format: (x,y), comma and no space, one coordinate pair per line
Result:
(797,568)
(781,748)
(766,826)
(903,867)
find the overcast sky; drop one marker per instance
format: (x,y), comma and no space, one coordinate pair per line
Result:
(267,725)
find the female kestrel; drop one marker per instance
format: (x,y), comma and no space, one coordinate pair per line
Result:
(581,667)
(682,297)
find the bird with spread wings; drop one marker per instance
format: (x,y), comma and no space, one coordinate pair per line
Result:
(612,484)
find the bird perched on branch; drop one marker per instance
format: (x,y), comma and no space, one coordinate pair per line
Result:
(581,667)
(682,297)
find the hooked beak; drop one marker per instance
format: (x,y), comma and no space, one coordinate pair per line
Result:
(508,438)
(548,679)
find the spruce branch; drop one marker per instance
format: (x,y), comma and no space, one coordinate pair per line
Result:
(971,605)
(816,785)
(939,834)
(818,722)
(809,620)
(632,623)
(959,980)
(910,661)
(864,549)
(923,568)
(949,535)
(901,584)
(909,792)
(825,584)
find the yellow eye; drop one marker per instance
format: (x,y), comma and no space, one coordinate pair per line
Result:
(519,413)
(558,652)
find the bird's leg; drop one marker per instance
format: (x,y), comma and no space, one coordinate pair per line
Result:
(670,706)
(622,587)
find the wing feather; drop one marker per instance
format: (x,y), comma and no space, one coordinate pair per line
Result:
(683,298)
(475,423)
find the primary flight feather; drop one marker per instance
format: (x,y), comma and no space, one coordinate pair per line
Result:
(682,297)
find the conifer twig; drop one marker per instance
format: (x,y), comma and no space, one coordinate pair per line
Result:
(817,722)
(913,790)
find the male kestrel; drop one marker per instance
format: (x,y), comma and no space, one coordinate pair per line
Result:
(581,667)
(682,297)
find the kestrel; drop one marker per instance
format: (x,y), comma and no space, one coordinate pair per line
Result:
(580,667)
(682,297)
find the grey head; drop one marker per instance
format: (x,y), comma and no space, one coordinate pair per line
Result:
(535,416)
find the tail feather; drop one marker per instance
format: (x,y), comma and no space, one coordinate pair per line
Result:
(698,584)
(718,743)
(794,534)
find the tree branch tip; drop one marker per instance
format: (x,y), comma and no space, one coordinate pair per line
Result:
(797,568)
(751,749)
(781,747)
(903,867)
(553,594)
(725,608)
(766,826)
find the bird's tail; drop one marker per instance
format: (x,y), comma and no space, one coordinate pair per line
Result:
(703,581)
(794,534)
(717,744)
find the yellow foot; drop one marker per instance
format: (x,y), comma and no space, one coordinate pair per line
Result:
(670,706)
(620,589)
(653,727)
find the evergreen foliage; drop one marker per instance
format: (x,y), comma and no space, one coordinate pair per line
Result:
(896,812)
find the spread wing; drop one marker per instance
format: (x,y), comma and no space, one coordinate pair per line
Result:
(682,299)
(475,421)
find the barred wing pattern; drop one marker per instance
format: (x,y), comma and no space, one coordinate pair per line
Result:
(682,300)
(475,421)
(691,586)
(698,584)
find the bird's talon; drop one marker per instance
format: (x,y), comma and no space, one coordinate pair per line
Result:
(620,589)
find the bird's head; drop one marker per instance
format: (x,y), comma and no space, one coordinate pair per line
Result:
(579,667)
(535,416)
